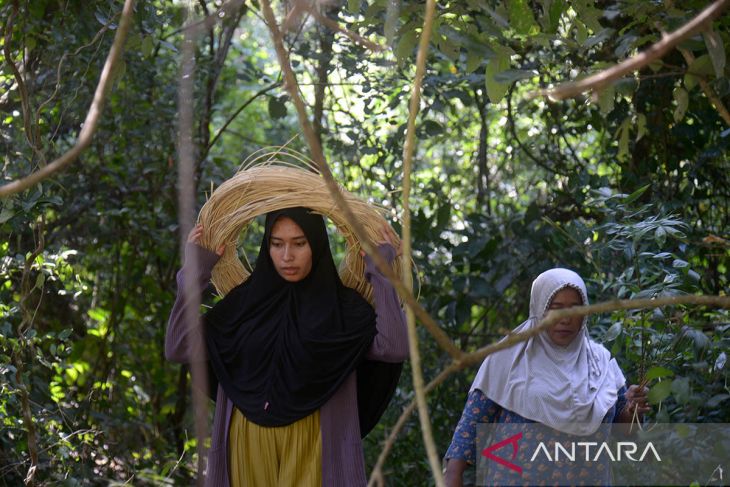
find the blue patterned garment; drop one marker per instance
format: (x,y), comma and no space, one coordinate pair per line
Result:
(480,409)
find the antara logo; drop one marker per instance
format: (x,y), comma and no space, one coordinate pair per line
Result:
(623,449)
(592,451)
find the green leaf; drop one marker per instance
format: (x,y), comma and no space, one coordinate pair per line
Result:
(606,100)
(680,264)
(104,20)
(432,127)
(641,127)
(681,98)
(553,12)
(590,16)
(39,280)
(6,214)
(716,400)
(626,86)
(405,46)
(581,31)
(613,332)
(601,36)
(511,75)
(521,18)
(702,66)
(680,389)
(720,362)
(448,48)
(660,392)
(690,81)
(658,372)
(473,60)
(353,6)
(716,50)
(660,236)
(148,46)
(623,139)
(277,109)
(501,62)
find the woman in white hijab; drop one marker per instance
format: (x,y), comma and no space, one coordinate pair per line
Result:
(560,378)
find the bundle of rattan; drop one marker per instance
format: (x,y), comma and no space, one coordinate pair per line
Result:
(276,180)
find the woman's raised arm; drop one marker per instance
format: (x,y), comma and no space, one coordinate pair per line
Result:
(179,339)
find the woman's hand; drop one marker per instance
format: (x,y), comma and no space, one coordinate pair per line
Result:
(454,475)
(196,233)
(389,237)
(636,399)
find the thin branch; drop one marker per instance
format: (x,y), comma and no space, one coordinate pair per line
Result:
(709,92)
(318,157)
(634,63)
(377,472)
(218,59)
(259,93)
(92,117)
(553,316)
(513,130)
(25,324)
(408,149)
(28,115)
(208,21)
(335,26)
(60,66)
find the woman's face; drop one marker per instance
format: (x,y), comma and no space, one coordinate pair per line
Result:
(289,249)
(563,332)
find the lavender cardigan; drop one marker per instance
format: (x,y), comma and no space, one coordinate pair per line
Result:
(343,463)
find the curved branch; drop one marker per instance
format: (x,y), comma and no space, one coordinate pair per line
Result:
(259,93)
(30,135)
(335,26)
(92,117)
(513,131)
(408,149)
(634,63)
(290,83)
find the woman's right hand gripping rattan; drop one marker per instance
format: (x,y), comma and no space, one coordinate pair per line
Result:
(195,235)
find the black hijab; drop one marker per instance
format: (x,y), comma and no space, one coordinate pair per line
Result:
(280,350)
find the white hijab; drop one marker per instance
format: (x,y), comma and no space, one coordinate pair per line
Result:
(567,388)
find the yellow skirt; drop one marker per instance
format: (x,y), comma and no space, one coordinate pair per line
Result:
(283,456)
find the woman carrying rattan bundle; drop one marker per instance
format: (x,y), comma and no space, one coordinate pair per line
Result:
(304,365)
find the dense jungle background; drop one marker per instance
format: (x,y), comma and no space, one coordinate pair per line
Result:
(628,185)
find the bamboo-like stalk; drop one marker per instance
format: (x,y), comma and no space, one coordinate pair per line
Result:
(408,149)
(290,82)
